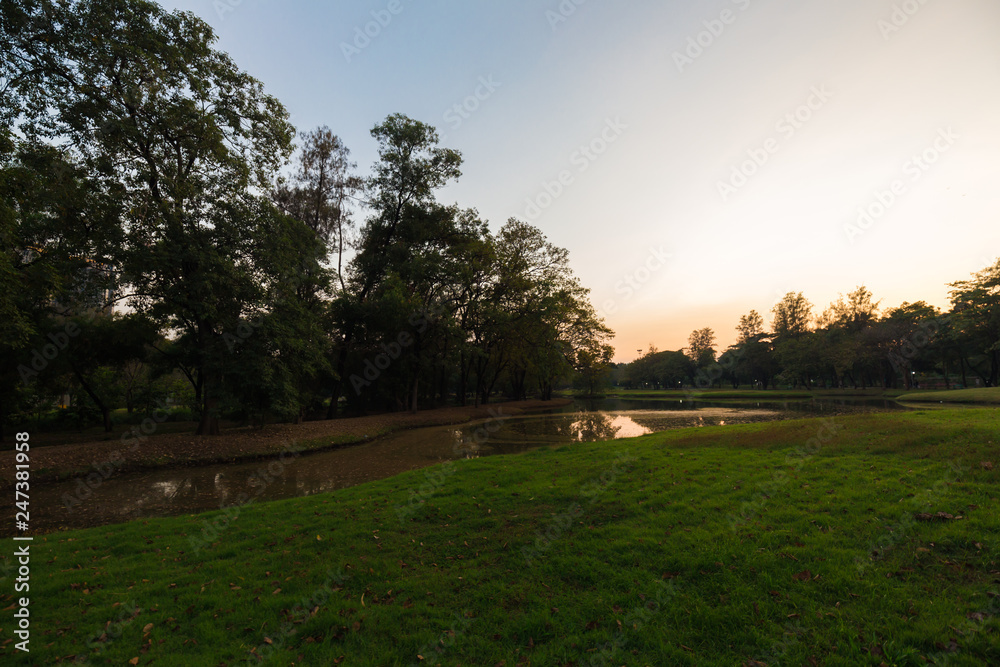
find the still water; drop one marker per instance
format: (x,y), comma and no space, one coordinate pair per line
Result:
(176,491)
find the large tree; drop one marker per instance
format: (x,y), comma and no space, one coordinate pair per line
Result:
(701,347)
(401,197)
(153,110)
(792,316)
(752,355)
(57,227)
(976,322)
(851,348)
(321,191)
(750,328)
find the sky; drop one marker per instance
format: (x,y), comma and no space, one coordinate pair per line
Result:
(698,158)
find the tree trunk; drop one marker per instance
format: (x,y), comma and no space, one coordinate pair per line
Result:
(209,423)
(480,384)
(443,385)
(489,390)
(416,385)
(338,384)
(463,378)
(105,410)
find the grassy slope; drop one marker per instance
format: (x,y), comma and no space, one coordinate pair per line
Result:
(989,395)
(880,588)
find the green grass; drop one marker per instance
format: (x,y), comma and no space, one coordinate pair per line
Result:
(710,393)
(755,394)
(988,395)
(784,543)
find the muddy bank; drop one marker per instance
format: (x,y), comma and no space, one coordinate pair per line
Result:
(144,448)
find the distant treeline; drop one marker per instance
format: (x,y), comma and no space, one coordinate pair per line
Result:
(851,344)
(164,242)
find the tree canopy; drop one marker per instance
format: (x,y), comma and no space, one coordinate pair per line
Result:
(854,343)
(142,170)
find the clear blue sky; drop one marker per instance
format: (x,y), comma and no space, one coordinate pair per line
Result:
(746,157)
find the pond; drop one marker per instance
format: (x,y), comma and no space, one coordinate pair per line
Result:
(174,491)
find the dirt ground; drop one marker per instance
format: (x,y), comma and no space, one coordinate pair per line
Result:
(139,449)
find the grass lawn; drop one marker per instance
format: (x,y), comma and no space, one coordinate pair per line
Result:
(755,394)
(987,395)
(803,542)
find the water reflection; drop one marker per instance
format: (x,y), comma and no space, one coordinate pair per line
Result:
(593,426)
(189,490)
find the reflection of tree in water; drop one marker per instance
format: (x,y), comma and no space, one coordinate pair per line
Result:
(167,493)
(466,444)
(593,426)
